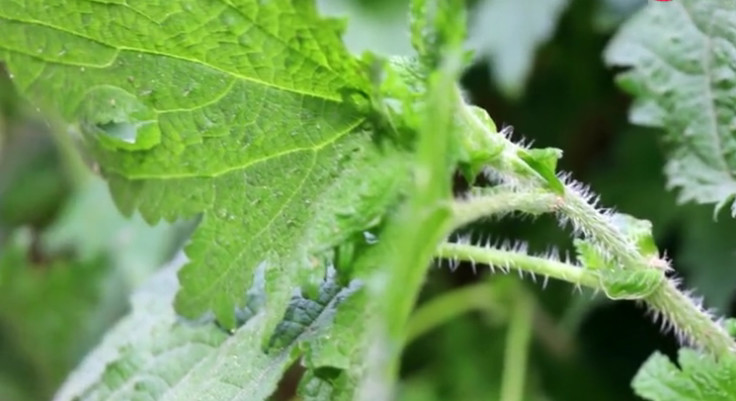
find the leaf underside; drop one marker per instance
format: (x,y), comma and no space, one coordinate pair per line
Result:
(683,70)
(151,354)
(240,111)
(698,378)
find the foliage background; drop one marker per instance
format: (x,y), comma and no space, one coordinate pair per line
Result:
(68,260)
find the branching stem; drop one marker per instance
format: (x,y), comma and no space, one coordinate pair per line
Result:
(506,259)
(495,203)
(684,314)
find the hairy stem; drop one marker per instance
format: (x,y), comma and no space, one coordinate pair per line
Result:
(516,353)
(685,315)
(506,259)
(689,320)
(408,242)
(593,224)
(503,201)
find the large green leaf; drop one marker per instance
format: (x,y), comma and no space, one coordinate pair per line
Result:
(683,73)
(698,378)
(152,354)
(235,109)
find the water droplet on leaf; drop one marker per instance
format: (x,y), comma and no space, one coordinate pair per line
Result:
(118,120)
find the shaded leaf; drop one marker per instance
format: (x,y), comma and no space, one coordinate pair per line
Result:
(544,163)
(639,231)
(682,74)
(698,378)
(630,284)
(152,354)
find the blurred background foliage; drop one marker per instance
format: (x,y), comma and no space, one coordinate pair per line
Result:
(68,259)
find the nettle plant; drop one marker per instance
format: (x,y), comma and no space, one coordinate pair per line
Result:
(323,183)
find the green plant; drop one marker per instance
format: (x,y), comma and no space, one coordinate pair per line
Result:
(315,170)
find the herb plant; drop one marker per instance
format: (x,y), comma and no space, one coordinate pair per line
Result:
(323,186)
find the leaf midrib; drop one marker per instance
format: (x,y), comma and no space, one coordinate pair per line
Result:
(705,63)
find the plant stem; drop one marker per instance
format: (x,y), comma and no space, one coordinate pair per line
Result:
(594,224)
(504,201)
(409,239)
(516,353)
(506,259)
(451,305)
(690,321)
(683,313)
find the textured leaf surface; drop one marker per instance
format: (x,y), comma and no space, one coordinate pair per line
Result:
(336,354)
(233,109)
(151,354)
(508,33)
(698,378)
(683,63)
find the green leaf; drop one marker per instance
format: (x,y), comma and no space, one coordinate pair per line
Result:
(624,282)
(698,378)
(152,354)
(508,33)
(242,111)
(335,354)
(476,148)
(328,385)
(589,255)
(639,231)
(544,163)
(150,312)
(630,284)
(682,75)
